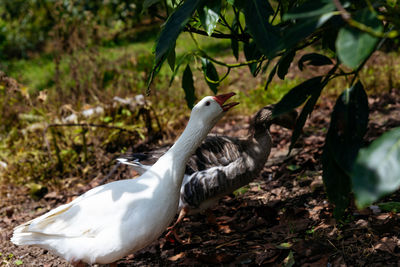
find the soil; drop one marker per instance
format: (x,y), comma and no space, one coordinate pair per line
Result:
(282,218)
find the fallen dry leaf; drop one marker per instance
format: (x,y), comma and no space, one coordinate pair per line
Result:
(177,256)
(386,244)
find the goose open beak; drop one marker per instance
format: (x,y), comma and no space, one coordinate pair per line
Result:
(221,99)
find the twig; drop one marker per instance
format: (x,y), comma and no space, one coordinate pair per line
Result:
(276,12)
(225,22)
(235,65)
(377,46)
(330,242)
(228,243)
(241,37)
(88,125)
(343,12)
(360,26)
(237,15)
(220,80)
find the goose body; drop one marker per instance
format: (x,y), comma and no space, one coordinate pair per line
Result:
(222,164)
(116,219)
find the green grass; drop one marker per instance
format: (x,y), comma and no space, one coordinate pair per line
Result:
(253,99)
(36,73)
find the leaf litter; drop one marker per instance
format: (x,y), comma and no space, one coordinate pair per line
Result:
(281,219)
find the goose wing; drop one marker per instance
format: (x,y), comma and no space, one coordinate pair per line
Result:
(210,184)
(215,151)
(87,215)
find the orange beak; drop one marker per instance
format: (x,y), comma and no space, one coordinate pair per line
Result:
(221,99)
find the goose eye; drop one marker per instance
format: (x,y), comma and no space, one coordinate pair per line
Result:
(207,103)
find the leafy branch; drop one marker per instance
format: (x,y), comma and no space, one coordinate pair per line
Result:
(347,36)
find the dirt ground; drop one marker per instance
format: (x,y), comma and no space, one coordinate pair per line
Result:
(283,218)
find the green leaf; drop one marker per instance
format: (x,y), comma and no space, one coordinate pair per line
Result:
(297,95)
(18,262)
(171,59)
(265,35)
(173,27)
(309,16)
(170,32)
(354,46)
(293,167)
(241,190)
(251,52)
(188,87)
(210,74)
(301,30)
(376,171)
(337,185)
(305,112)
(234,41)
(348,125)
(314,59)
(178,64)
(271,76)
(289,261)
(209,15)
(284,63)
(310,9)
(285,245)
(235,48)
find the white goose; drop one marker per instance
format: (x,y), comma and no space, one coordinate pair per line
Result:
(111,221)
(222,164)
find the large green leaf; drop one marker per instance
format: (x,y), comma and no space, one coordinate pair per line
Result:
(170,32)
(376,171)
(297,95)
(354,46)
(305,112)
(171,58)
(337,184)
(284,63)
(173,27)
(348,125)
(265,35)
(188,86)
(210,74)
(209,15)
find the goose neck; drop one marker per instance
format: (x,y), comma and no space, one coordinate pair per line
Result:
(186,145)
(261,135)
